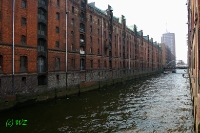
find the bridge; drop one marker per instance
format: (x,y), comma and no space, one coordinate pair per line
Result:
(173,68)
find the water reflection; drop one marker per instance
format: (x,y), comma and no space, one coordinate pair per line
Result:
(159,104)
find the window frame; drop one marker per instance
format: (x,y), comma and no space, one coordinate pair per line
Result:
(57,30)
(23,21)
(57,44)
(23,4)
(57,16)
(23,40)
(57,63)
(23,63)
(72,9)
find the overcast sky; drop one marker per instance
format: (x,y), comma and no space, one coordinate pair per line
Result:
(153,16)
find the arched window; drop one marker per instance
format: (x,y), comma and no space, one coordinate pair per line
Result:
(41,64)
(42,14)
(82,38)
(82,27)
(41,29)
(82,16)
(23,40)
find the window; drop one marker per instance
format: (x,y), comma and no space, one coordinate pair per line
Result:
(23,21)
(0,83)
(98,31)
(82,38)
(90,18)
(98,22)
(90,50)
(90,39)
(90,29)
(41,29)
(42,80)
(57,16)
(42,2)
(58,3)
(1,63)
(57,60)
(41,64)
(42,14)
(72,22)
(91,64)
(83,5)
(72,34)
(23,63)
(98,40)
(82,27)
(104,34)
(57,44)
(110,64)
(24,80)
(82,16)
(23,40)
(82,64)
(41,44)
(57,78)
(72,10)
(57,30)
(98,51)
(105,65)
(23,3)
(104,24)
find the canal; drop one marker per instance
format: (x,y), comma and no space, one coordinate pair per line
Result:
(159,104)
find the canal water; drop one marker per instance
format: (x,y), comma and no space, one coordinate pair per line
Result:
(160,104)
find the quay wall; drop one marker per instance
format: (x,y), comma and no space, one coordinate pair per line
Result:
(77,83)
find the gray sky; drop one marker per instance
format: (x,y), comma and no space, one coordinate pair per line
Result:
(151,16)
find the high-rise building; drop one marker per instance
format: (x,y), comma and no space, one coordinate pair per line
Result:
(169,40)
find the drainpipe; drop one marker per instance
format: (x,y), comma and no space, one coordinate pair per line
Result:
(102,47)
(66,41)
(13,46)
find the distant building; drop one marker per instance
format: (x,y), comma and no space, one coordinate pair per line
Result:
(166,55)
(169,40)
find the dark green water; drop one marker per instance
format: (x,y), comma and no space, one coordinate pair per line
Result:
(159,104)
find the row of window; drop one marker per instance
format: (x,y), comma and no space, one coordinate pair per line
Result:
(42,15)
(42,80)
(40,64)
(82,64)
(42,2)
(42,29)
(41,43)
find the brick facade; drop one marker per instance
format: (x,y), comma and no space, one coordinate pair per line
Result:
(193,58)
(98,46)
(26,34)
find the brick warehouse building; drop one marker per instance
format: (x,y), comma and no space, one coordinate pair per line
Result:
(40,50)
(193,7)
(99,42)
(96,47)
